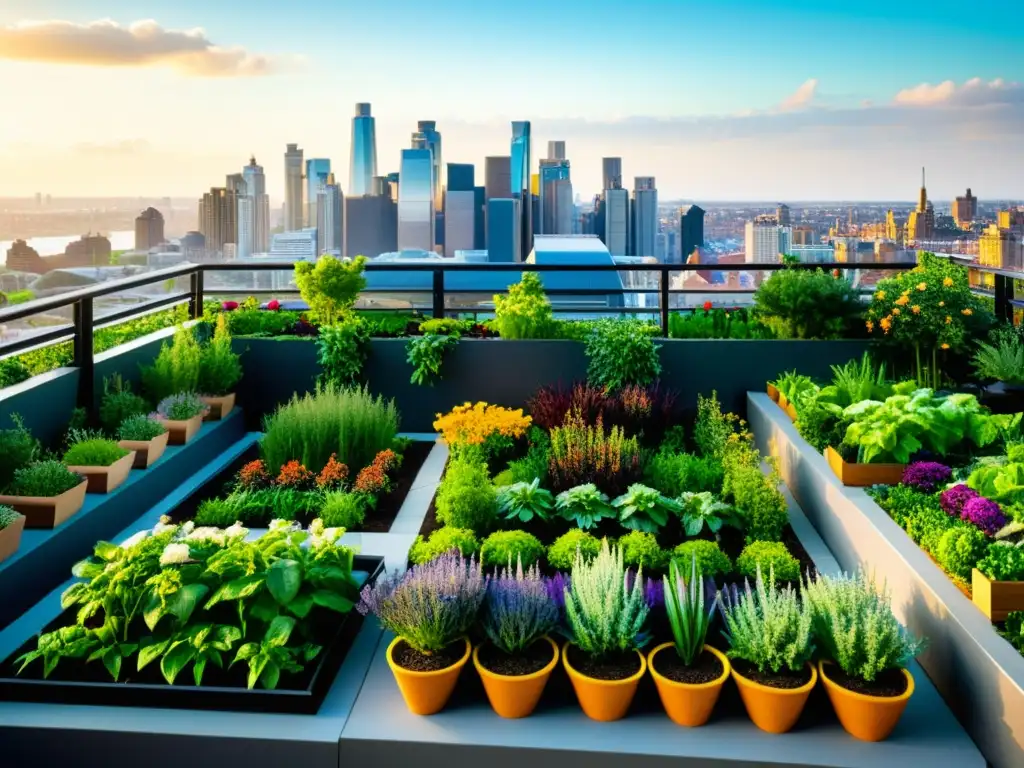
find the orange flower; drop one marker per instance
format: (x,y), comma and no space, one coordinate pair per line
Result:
(916,309)
(922,286)
(886,324)
(870,325)
(293,475)
(253,475)
(903,300)
(944,346)
(333,474)
(948,282)
(948,319)
(967,312)
(896,310)
(371,480)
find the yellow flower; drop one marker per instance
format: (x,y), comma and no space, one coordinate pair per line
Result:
(905,293)
(902,301)
(896,310)
(880,295)
(945,346)
(886,323)
(922,286)
(948,319)
(942,303)
(916,309)
(870,325)
(473,424)
(948,282)
(967,312)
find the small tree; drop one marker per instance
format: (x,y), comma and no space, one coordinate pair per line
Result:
(330,287)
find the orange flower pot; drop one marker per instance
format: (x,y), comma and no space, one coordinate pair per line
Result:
(869,718)
(515,696)
(688,704)
(426,693)
(774,710)
(603,700)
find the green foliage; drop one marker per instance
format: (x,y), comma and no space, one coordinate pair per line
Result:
(960,549)
(140,428)
(768,556)
(903,503)
(644,509)
(603,613)
(621,353)
(387,325)
(525,313)
(261,322)
(119,403)
(756,496)
(343,510)
(176,368)
(330,287)
(181,407)
(425,355)
(700,510)
(351,424)
(674,440)
(808,304)
(562,551)
(466,498)
(821,424)
(676,473)
(522,502)
(712,429)
(1013,630)
(584,505)
(854,626)
(795,386)
(711,560)
(716,324)
(684,606)
(7,516)
(94,453)
(533,466)
(927,527)
(18,448)
(445,326)
(342,349)
(43,478)
(641,550)
(13,370)
(444,540)
(262,505)
(1003,562)
(1000,482)
(504,547)
(219,367)
(219,513)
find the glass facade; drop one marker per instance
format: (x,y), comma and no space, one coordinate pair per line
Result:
(329,222)
(555,193)
(317,171)
(363,160)
(461,177)
(427,137)
(644,216)
(293,209)
(504,243)
(416,219)
(520,176)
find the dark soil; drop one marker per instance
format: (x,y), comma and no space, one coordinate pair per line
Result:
(430,522)
(890,683)
(408,658)
(380,518)
(615,667)
(706,669)
(533,659)
(784,679)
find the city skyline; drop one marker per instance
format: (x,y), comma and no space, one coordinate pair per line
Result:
(734,114)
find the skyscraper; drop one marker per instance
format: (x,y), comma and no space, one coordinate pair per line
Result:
(521,167)
(921,222)
(691,230)
(498,176)
(428,137)
(556,150)
(644,216)
(782,214)
(371,225)
(766,240)
(504,230)
(149,229)
(294,213)
(965,209)
(363,161)
(616,221)
(220,218)
(460,209)
(246,227)
(416,219)
(556,208)
(611,171)
(330,231)
(235,182)
(317,171)
(256,188)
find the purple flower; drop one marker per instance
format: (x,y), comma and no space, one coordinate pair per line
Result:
(518,610)
(953,499)
(654,591)
(557,585)
(985,514)
(926,476)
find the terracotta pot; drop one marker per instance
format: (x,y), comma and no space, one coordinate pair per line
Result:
(180,432)
(10,538)
(791,412)
(516,695)
(48,511)
(863,475)
(146,451)
(869,718)
(996,599)
(219,406)
(426,693)
(773,392)
(603,700)
(774,710)
(106,479)
(783,401)
(688,704)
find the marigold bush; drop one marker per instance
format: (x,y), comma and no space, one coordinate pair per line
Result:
(333,475)
(474,424)
(294,475)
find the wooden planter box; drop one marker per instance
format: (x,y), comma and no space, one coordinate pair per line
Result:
(106,479)
(790,411)
(219,406)
(146,451)
(996,598)
(10,538)
(48,511)
(180,432)
(773,393)
(863,475)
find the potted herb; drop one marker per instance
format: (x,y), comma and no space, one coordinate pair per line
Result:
(219,372)
(11,526)
(865,653)
(430,608)
(145,436)
(103,463)
(605,615)
(690,680)
(769,635)
(182,415)
(46,492)
(119,403)
(518,658)
(18,448)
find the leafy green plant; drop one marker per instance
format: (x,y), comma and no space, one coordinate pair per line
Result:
(119,403)
(525,313)
(621,353)
(768,556)
(13,371)
(716,324)
(176,368)
(444,540)
(562,551)
(644,509)
(181,407)
(1002,360)
(261,322)
(756,496)
(711,560)
(641,550)
(960,549)
(533,466)
(795,386)
(425,355)
(43,478)
(676,473)
(1013,630)
(447,326)
(219,513)
(522,502)
(927,527)
(903,502)
(220,368)
(94,453)
(854,382)
(140,428)
(330,287)
(684,605)
(584,505)
(343,510)
(808,304)
(342,349)
(712,429)
(1003,562)
(7,516)
(18,448)
(504,547)
(466,498)
(702,510)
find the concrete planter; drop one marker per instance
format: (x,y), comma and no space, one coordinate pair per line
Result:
(146,451)
(106,479)
(48,511)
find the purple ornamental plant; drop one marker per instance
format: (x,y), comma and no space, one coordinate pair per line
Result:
(556,586)
(984,513)
(926,476)
(518,610)
(654,591)
(953,499)
(430,606)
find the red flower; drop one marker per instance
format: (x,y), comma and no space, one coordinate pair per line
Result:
(835,273)
(333,475)
(294,475)
(707,306)
(273,305)
(227,306)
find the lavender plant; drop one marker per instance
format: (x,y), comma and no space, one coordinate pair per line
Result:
(557,586)
(604,613)
(432,604)
(684,604)
(180,407)
(518,610)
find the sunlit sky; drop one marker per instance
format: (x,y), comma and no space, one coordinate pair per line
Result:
(728,100)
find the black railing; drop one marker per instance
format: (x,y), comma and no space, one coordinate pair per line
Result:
(84,321)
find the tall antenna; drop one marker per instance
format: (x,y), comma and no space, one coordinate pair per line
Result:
(922,176)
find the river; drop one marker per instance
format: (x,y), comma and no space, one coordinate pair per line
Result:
(52,246)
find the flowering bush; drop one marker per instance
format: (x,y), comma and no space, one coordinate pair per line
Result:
(181,407)
(926,476)
(984,513)
(294,475)
(479,424)
(582,454)
(518,610)
(333,475)
(953,499)
(373,479)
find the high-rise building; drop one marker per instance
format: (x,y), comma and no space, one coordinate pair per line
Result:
(300,244)
(893,229)
(479,218)
(330,231)
(504,230)
(998,248)
(644,216)
(556,209)
(220,218)
(460,209)
(371,226)
(294,213)
(258,234)
(804,234)
(428,137)
(556,150)
(782,214)
(766,240)
(149,229)
(616,221)
(363,160)
(235,182)
(611,172)
(246,227)
(317,171)
(921,222)
(521,168)
(691,230)
(965,209)
(416,220)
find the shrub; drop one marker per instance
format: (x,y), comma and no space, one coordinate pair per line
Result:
(373,479)
(13,371)
(712,429)
(181,407)
(808,304)
(522,502)
(341,351)
(425,354)
(758,498)
(518,611)
(525,313)
(119,403)
(333,475)
(330,287)
(927,526)
(17,449)
(676,473)
(94,453)
(219,513)
(350,424)
(582,454)
(466,498)
(7,516)
(584,505)
(443,540)
(219,367)
(641,550)
(504,547)
(43,478)
(294,475)
(343,510)
(259,322)
(176,368)
(926,476)
(551,405)
(140,428)
(490,427)
(644,509)
(253,475)
(533,466)
(1003,562)
(562,551)
(621,353)
(711,560)
(902,502)
(1013,630)
(447,326)
(768,556)
(960,549)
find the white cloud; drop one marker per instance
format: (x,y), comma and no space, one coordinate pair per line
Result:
(974,92)
(801,98)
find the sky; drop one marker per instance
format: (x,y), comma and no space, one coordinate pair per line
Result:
(729,100)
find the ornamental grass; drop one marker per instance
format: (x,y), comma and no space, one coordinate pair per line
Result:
(582,454)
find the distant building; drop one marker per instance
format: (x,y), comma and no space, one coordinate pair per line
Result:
(616,221)
(22,257)
(219,223)
(88,251)
(294,245)
(893,229)
(293,209)
(416,221)
(921,222)
(556,150)
(765,240)
(363,159)
(371,226)
(460,209)
(330,218)
(317,171)
(554,195)
(611,173)
(644,216)
(965,209)
(428,137)
(504,243)
(691,230)
(149,229)
(1012,219)
(804,235)
(498,176)
(521,169)
(998,248)
(782,214)
(257,232)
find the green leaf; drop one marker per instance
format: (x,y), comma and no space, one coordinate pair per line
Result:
(183,602)
(50,664)
(301,605)
(176,659)
(310,651)
(693,525)
(108,552)
(225,636)
(27,658)
(150,650)
(332,600)
(265,608)
(197,669)
(87,569)
(256,665)
(279,631)
(284,577)
(271,675)
(246,652)
(73,593)
(112,661)
(154,610)
(237,589)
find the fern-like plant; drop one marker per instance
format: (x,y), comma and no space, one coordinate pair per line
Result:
(176,368)
(1003,361)
(522,502)
(219,366)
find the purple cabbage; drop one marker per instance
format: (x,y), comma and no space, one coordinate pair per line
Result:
(926,476)
(984,513)
(518,610)
(953,499)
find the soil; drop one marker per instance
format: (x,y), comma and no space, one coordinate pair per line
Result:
(533,659)
(890,683)
(380,518)
(784,679)
(706,669)
(618,666)
(407,657)
(430,522)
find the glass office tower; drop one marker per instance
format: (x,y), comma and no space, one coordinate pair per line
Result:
(363,161)
(520,176)
(556,205)
(317,171)
(504,230)
(416,220)
(428,137)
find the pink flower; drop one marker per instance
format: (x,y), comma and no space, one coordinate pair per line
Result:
(273,305)
(227,306)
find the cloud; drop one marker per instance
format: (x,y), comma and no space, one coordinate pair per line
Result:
(973,93)
(801,98)
(144,43)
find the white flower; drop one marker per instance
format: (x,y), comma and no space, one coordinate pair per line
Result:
(174,554)
(333,534)
(314,541)
(283,525)
(236,530)
(162,528)
(188,527)
(316,527)
(165,519)
(131,541)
